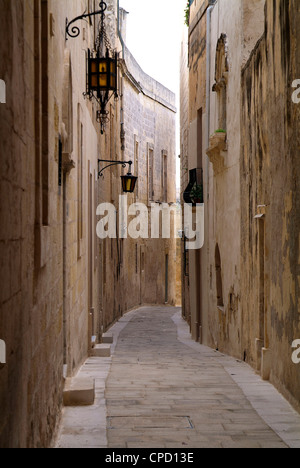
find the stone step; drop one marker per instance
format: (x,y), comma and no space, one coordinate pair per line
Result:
(107,338)
(79,391)
(101,350)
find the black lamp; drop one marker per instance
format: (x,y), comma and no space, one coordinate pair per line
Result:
(102,66)
(128,180)
(102,73)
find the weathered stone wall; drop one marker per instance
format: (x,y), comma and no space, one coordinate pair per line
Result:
(244,283)
(184,164)
(196,160)
(270,173)
(148,118)
(45,303)
(60,285)
(221,326)
(133,271)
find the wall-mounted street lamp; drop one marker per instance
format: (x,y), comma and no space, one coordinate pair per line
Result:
(102,66)
(128,180)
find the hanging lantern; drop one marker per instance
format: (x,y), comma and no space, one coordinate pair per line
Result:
(128,183)
(102,65)
(102,72)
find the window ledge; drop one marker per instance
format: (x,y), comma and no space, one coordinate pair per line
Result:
(215,152)
(67,162)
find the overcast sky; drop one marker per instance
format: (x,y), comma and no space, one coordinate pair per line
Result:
(154,31)
(154,35)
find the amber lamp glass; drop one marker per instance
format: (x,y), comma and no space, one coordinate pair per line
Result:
(128,183)
(102,73)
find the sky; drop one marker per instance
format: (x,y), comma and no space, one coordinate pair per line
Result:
(154,32)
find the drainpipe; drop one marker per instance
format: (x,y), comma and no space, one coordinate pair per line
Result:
(122,131)
(208,80)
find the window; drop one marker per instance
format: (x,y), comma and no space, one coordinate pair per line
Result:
(112,135)
(167,279)
(79,181)
(41,103)
(136,165)
(67,116)
(67,108)
(150,174)
(199,139)
(164,182)
(142,260)
(45,141)
(104,263)
(221,79)
(60,161)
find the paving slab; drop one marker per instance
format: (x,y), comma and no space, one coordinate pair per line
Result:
(159,389)
(164,374)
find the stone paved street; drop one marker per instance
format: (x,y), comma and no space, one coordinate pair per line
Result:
(162,393)
(162,390)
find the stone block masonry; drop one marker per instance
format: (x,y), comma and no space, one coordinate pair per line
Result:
(44,289)
(241,292)
(146,120)
(61,287)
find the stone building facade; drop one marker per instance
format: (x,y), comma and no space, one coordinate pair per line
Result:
(48,159)
(60,285)
(184,165)
(243,282)
(270,172)
(144,132)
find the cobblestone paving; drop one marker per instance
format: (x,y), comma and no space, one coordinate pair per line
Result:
(161,393)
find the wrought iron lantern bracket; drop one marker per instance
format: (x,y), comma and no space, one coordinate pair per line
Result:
(102,65)
(75,31)
(112,163)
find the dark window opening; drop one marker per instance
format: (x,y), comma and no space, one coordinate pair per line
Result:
(219,284)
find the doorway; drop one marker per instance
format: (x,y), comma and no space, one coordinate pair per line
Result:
(66,326)
(142,274)
(167,279)
(261,341)
(91,325)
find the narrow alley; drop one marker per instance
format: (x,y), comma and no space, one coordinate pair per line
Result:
(162,390)
(149,224)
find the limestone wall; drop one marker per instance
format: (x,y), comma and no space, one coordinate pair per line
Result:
(243,284)
(184,163)
(45,302)
(145,116)
(132,272)
(270,177)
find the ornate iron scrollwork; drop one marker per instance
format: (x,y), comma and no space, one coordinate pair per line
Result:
(112,163)
(75,31)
